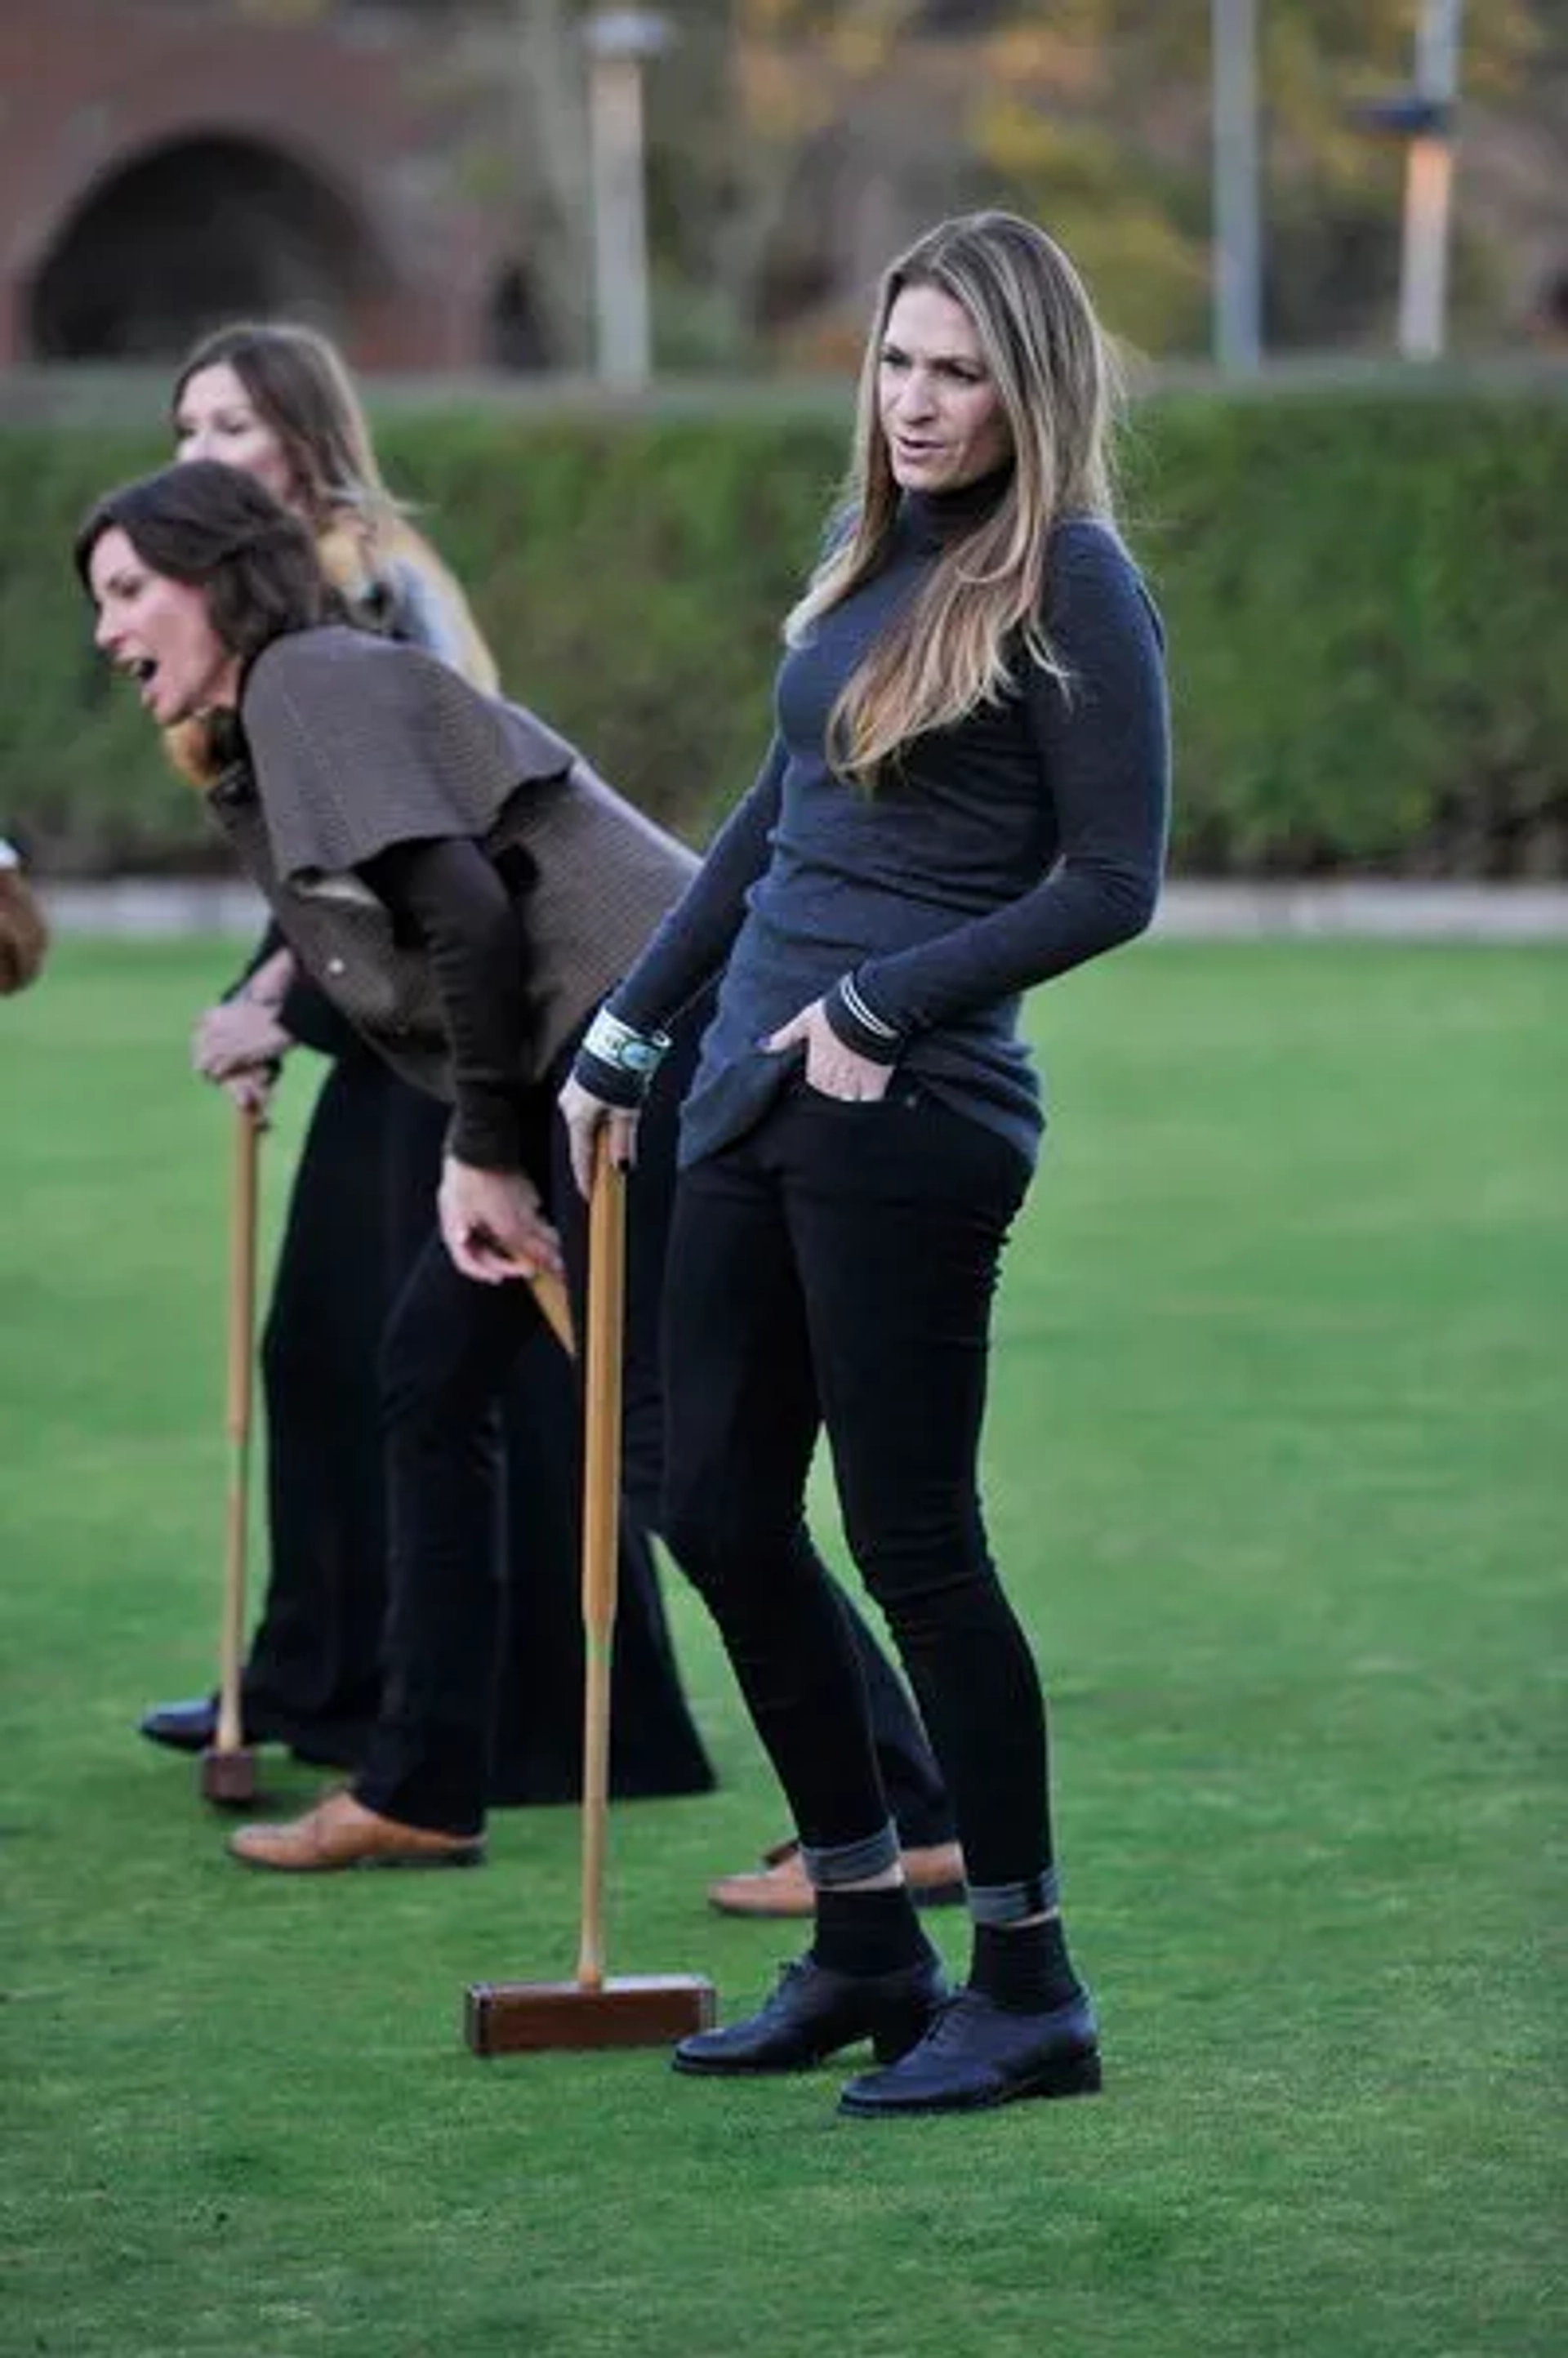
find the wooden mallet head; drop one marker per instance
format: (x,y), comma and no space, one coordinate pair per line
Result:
(624,2010)
(229,1778)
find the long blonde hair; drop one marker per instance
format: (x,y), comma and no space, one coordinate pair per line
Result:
(297,382)
(1059,383)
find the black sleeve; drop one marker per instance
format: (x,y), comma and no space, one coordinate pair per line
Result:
(447,893)
(694,941)
(1103,745)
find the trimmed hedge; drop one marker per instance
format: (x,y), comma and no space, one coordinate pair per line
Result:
(1365,602)
(1363,593)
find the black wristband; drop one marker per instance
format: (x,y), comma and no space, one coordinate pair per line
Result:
(611,1084)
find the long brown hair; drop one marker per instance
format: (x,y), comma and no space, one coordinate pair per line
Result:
(300,388)
(296,381)
(24,931)
(1059,384)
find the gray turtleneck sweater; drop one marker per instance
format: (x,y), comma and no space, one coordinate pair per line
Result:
(998,854)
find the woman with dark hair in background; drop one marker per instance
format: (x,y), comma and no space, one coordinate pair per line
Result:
(464,888)
(275,400)
(966,795)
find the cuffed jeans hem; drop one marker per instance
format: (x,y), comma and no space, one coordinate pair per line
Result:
(829,1869)
(1013,1903)
(925,1832)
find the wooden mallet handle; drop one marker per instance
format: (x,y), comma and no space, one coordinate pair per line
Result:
(242,1313)
(600,1531)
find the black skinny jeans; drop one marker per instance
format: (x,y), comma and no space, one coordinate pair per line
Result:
(834,1267)
(449,1348)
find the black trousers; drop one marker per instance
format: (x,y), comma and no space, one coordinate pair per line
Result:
(359,1215)
(835,1268)
(313,1674)
(449,1348)
(536,1690)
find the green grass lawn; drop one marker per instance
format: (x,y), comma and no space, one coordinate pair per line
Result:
(1276,1471)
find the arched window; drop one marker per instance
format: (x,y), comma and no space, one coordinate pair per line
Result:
(197,231)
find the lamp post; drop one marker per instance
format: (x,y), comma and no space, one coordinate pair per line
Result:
(1237,238)
(1429,184)
(620,42)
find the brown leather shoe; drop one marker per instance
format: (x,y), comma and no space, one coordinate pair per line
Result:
(933,1873)
(341,1832)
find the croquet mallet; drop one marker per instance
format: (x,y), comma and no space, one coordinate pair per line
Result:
(227,1764)
(555,1309)
(592,2010)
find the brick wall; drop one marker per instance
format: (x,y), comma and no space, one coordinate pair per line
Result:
(352,107)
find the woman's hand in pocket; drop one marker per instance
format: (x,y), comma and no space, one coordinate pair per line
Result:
(831,1070)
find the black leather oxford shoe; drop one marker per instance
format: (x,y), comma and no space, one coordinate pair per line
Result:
(976,2053)
(815,2011)
(187,1726)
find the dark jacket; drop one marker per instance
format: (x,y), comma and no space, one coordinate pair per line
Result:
(352,744)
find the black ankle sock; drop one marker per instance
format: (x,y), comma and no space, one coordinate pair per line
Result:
(1025,1968)
(867,1931)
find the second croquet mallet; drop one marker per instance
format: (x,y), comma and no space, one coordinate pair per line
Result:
(229,1766)
(593,2010)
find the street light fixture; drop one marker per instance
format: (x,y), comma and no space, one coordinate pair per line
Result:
(1424,117)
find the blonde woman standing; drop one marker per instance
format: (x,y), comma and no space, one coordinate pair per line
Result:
(966,795)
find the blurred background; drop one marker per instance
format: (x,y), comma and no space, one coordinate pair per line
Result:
(605,274)
(418,175)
